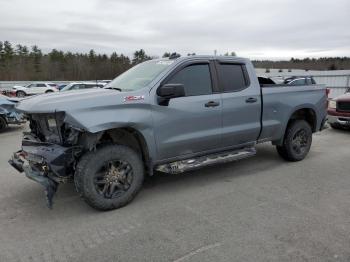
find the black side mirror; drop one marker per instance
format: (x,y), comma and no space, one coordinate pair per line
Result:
(169,91)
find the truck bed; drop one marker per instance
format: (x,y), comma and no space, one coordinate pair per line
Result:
(279,104)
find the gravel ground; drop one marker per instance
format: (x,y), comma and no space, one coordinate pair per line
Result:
(258,209)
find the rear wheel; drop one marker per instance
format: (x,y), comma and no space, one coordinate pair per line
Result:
(110,177)
(3,123)
(48,91)
(297,141)
(20,94)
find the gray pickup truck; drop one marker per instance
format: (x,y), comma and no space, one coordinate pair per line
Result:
(170,115)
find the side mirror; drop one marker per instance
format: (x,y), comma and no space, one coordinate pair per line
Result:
(169,91)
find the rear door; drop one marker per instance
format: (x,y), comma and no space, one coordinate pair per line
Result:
(241,105)
(191,124)
(39,88)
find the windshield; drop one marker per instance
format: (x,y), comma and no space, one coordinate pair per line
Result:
(139,76)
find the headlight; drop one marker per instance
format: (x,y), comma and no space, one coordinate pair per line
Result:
(332,104)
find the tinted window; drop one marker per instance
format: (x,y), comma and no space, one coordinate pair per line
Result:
(231,77)
(308,81)
(76,86)
(40,85)
(195,78)
(298,82)
(90,86)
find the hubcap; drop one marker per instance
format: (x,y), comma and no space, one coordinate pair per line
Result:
(300,141)
(114,179)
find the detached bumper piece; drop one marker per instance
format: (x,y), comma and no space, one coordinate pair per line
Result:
(48,164)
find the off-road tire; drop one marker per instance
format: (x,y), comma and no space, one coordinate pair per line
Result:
(286,150)
(3,123)
(20,94)
(90,163)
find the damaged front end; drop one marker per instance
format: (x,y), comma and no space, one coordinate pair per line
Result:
(49,152)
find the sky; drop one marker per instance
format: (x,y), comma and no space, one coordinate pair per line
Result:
(258,29)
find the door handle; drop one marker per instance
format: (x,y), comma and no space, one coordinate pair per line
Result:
(251,100)
(212,104)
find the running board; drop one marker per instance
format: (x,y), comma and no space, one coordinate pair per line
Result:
(195,163)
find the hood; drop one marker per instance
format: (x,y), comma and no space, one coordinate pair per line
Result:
(344,97)
(71,101)
(15,87)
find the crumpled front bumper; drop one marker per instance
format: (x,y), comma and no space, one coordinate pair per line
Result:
(48,164)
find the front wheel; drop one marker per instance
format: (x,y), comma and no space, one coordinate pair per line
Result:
(110,177)
(297,141)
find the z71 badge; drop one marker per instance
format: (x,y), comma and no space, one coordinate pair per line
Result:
(133,98)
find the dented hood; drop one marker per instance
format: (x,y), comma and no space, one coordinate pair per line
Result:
(71,101)
(92,110)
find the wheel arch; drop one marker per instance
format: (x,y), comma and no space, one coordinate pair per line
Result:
(307,113)
(133,138)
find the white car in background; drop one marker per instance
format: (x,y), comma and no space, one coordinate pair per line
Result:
(34,89)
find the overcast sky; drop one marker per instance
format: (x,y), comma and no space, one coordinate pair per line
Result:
(255,29)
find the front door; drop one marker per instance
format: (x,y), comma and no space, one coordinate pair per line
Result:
(190,124)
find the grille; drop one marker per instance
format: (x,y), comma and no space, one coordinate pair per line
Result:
(343,106)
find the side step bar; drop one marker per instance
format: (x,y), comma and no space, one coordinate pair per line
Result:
(195,163)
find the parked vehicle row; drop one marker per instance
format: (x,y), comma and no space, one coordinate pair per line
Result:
(46,87)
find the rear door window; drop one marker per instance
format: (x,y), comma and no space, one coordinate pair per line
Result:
(232,77)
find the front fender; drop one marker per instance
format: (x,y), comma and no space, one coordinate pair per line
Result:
(135,115)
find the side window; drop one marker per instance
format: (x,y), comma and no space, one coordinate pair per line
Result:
(298,82)
(232,77)
(195,78)
(40,85)
(75,87)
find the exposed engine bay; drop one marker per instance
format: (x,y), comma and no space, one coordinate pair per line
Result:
(50,151)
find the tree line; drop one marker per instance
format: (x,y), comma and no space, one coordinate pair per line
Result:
(23,63)
(322,63)
(20,62)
